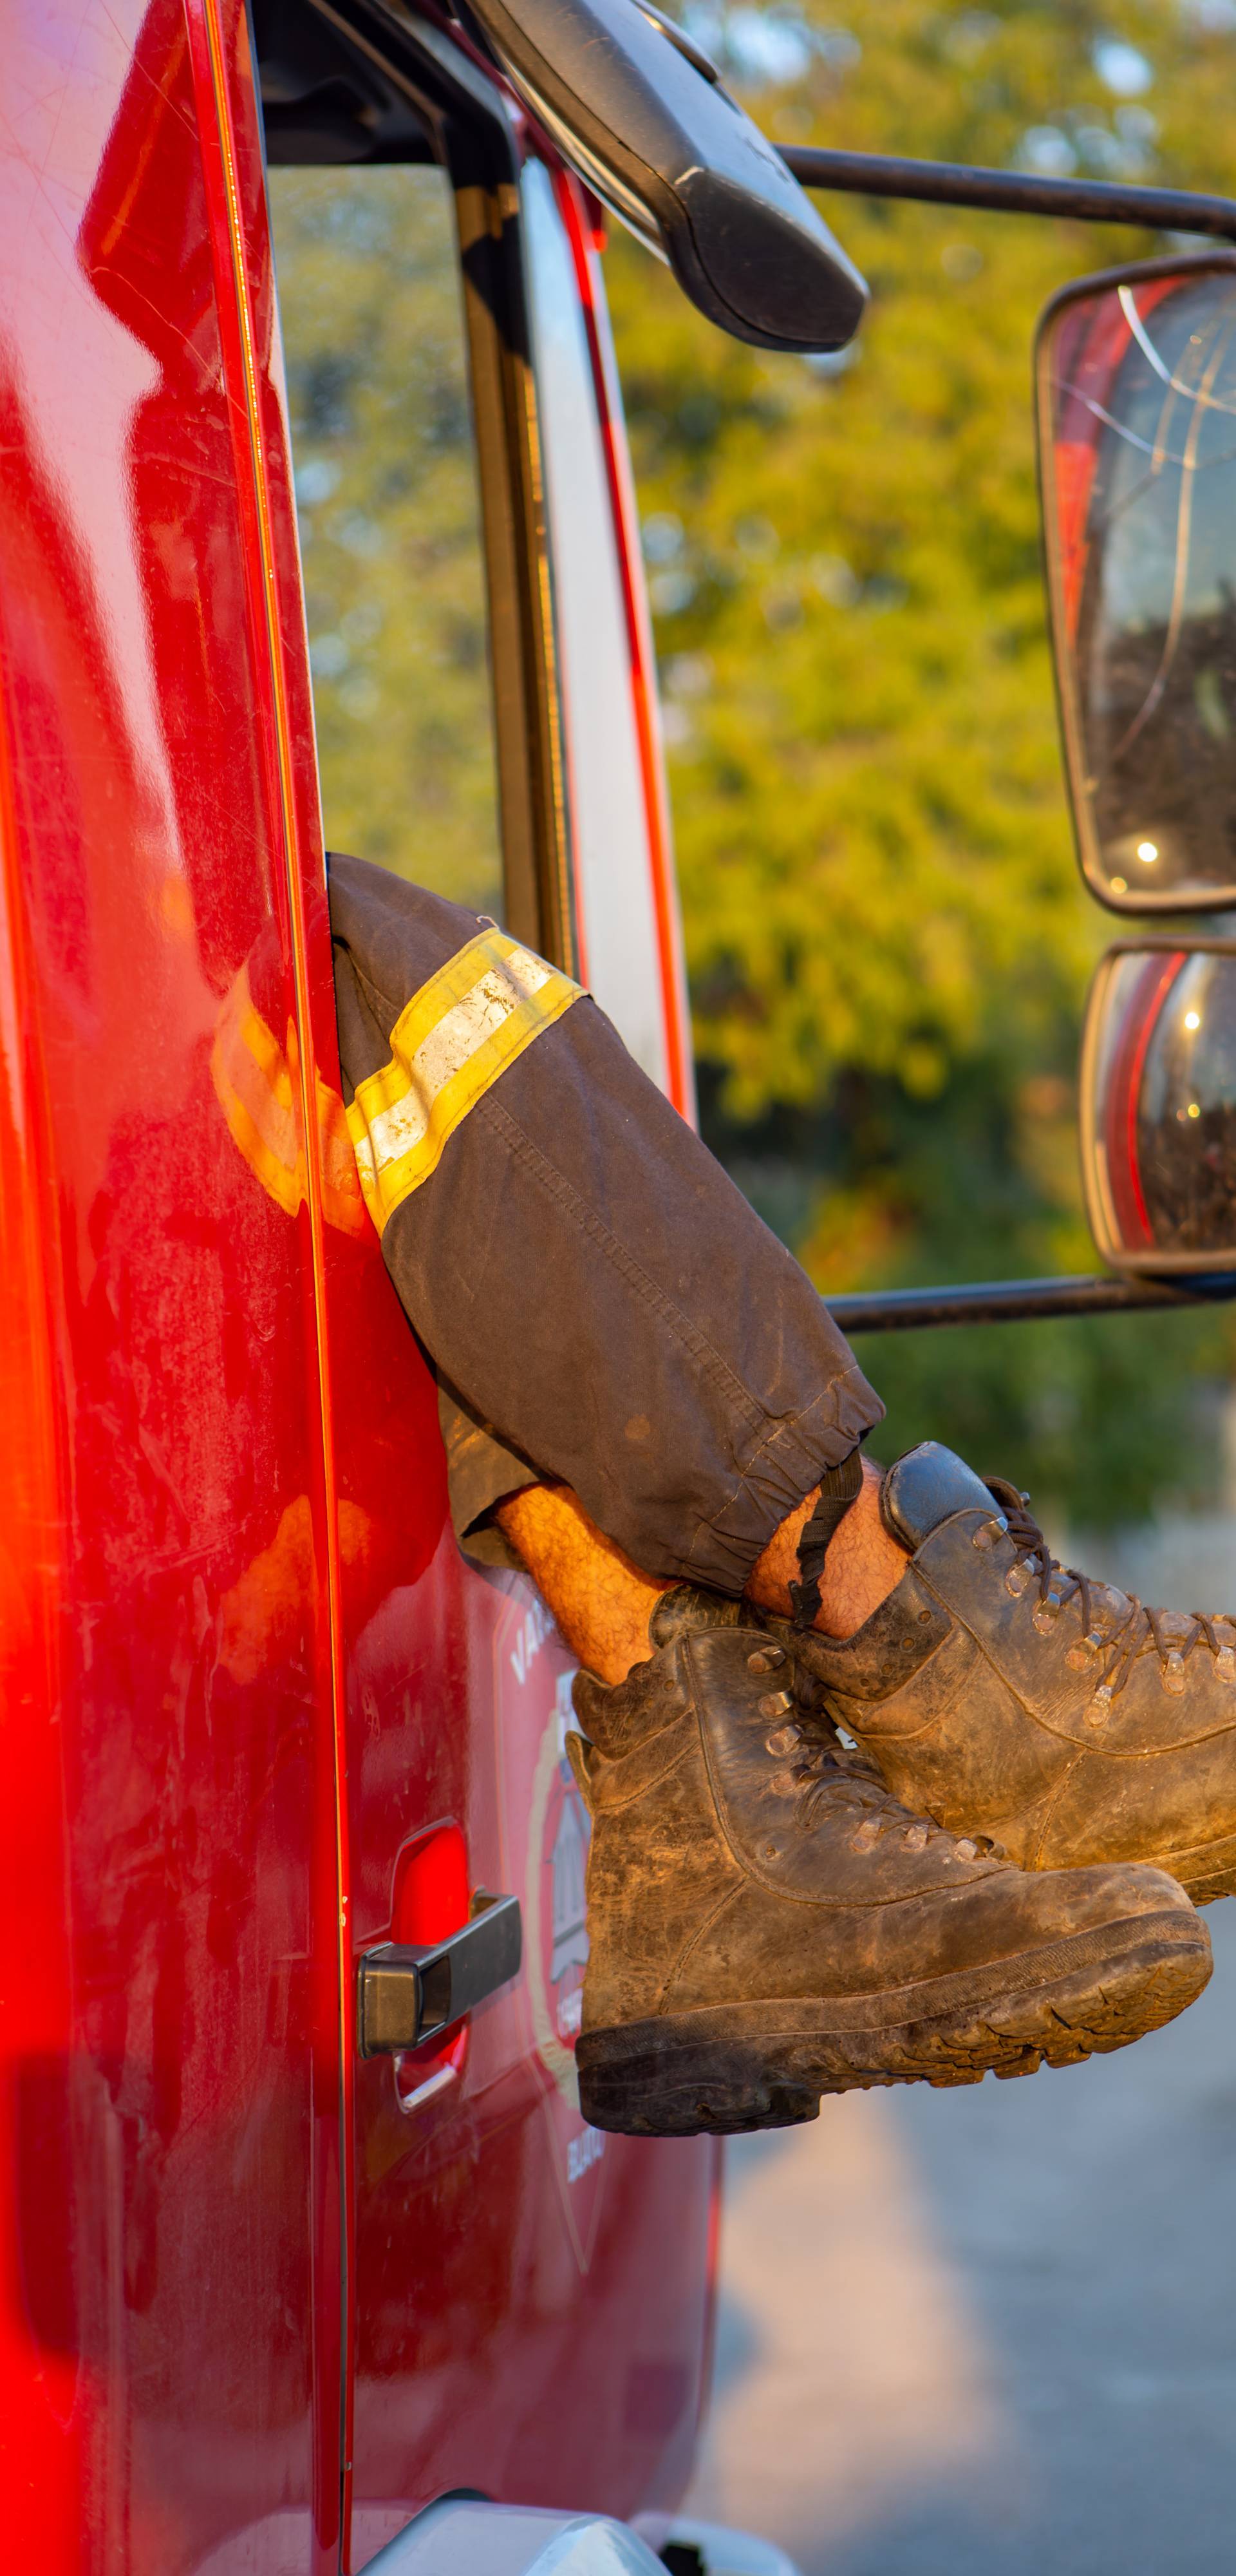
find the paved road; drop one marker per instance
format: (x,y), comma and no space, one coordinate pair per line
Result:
(993,2332)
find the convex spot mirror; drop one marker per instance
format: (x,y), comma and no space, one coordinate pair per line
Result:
(1158,1106)
(639,112)
(1136,378)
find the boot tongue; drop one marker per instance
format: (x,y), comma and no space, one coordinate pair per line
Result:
(926,1487)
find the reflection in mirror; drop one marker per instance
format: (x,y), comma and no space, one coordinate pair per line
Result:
(1158,1107)
(1137,427)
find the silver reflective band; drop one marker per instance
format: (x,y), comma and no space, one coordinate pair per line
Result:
(513,2540)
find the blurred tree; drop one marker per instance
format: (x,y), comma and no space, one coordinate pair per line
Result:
(389,518)
(887,936)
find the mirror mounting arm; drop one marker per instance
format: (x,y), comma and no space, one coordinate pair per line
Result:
(1018,1301)
(1010,192)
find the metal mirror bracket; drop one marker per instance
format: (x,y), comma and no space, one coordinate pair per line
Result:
(1096,201)
(1010,192)
(1016,1301)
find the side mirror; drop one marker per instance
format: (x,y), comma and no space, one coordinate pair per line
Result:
(1136,374)
(1158,1106)
(638,110)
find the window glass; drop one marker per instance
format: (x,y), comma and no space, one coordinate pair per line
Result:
(609,820)
(390,526)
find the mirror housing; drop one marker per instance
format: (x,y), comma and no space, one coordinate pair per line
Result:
(638,110)
(1136,400)
(1158,1105)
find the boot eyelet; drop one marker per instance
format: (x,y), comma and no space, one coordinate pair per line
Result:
(1172,1674)
(866,1836)
(915,1836)
(783,1740)
(1046,1615)
(776,1704)
(1225,1664)
(1099,1709)
(988,1533)
(1084,1653)
(965,1850)
(766,1659)
(1017,1580)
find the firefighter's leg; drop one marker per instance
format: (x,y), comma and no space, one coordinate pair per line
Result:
(602,1602)
(767,1924)
(603,1302)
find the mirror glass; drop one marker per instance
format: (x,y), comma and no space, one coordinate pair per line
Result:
(1137,427)
(1158,1110)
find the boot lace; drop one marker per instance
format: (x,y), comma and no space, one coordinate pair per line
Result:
(1114,1651)
(828,1774)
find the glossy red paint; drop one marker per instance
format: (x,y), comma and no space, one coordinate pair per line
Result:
(248,2287)
(171,2086)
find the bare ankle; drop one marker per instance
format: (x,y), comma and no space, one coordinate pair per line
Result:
(862,1567)
(600,1601)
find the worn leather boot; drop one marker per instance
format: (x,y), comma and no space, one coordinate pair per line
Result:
(1007,1695)
(768,1925)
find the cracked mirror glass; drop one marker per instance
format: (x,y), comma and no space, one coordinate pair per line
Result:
(1137,412)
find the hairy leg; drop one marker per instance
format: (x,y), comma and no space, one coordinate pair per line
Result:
(602,1602)
(862,1566)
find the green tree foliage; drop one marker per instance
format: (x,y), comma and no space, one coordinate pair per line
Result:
(389,518)
(888,941)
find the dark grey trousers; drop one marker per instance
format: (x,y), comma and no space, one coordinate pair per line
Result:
(599,1302)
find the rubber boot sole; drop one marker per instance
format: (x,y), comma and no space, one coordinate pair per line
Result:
(731,2068)
(1206,1871)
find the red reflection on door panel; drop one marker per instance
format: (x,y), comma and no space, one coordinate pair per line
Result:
(519,2285)
(432,1895)
(432,1899)
(157,2343)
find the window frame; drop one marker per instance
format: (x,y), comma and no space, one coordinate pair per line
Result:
(473,136)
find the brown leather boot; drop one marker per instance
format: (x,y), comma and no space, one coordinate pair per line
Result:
(767,1925)
(1007,1695)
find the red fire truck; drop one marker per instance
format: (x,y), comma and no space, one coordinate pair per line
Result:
(266,2295)
(314,507)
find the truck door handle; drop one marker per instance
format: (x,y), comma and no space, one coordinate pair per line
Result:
(406,1995)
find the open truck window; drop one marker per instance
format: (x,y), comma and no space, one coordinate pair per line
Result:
(394,176)
(389,513)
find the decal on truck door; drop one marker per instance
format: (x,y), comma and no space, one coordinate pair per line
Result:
(558,1836)
(546,1815)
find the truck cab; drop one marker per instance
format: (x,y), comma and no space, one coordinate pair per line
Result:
(317,528)
(317,531)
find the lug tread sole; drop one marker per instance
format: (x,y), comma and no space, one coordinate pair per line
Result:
(768,2067)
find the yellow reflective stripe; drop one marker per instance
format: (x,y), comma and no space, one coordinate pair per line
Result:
(342,1204)
(254,1090)
(463,1028)
(257,1090)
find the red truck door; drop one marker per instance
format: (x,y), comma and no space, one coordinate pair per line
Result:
(170,2344)
(259,1713)
(528,2299)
